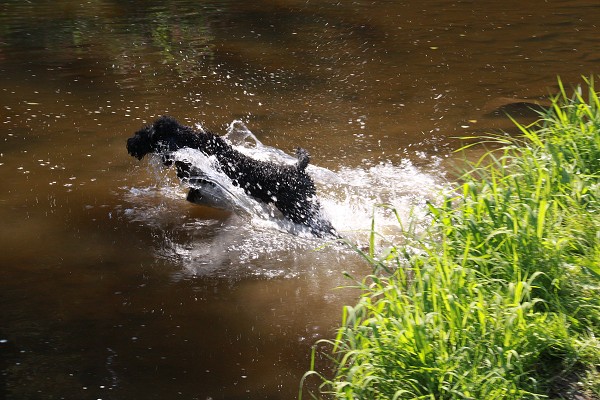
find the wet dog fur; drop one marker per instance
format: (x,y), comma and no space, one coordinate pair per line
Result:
(287,187)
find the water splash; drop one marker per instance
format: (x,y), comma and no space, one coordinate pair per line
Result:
(254,239)
(354,199)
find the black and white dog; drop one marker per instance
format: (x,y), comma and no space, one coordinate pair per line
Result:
(288,187)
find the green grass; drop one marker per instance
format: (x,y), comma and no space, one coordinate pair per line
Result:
(499,298)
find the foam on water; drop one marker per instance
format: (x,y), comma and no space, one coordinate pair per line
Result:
(403,188)
(254,239)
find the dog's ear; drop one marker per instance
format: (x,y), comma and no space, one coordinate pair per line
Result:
(303,158)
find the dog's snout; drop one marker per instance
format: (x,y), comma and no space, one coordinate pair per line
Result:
(137,147)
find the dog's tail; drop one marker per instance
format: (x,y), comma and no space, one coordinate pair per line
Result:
(303,158)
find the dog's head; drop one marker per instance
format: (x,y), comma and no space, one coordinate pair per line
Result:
(154,138)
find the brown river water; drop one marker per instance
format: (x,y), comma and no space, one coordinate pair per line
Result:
(112,286)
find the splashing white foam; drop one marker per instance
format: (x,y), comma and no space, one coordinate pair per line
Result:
(255,239)
(358,196)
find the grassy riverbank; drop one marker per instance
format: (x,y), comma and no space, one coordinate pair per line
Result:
(499,298)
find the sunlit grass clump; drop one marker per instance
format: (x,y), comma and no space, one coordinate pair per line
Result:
(499,298)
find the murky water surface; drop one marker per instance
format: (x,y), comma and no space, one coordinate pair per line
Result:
(112,286)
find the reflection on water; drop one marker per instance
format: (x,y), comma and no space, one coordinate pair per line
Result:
(113,286)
